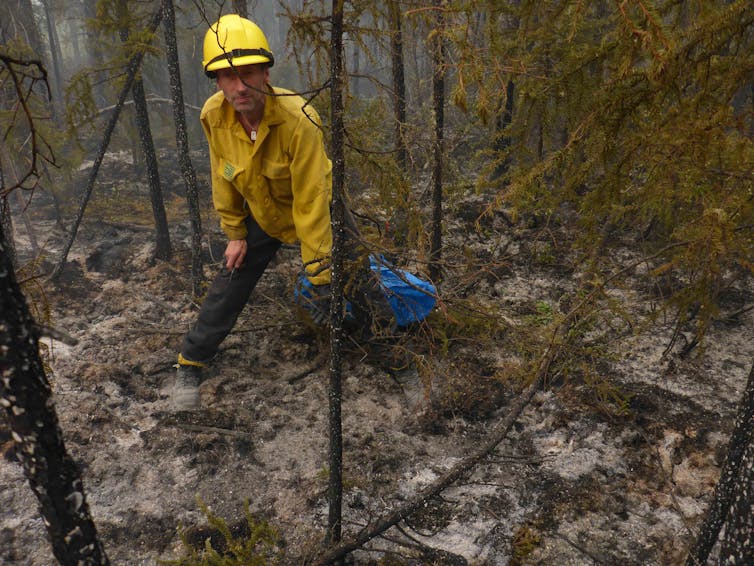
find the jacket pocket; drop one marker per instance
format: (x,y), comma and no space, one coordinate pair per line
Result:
(278,178)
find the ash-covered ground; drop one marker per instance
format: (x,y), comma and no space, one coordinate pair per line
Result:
(571,484)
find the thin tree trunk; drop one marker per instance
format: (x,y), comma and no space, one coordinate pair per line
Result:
(438,102)
(731,480)
(181,138)
(6,222)
(56,59)
(399,83)
(94,51)
(502,140)
(141,116)
(133,67)
(356,66)
(25,393)
(737,546)
(163,249)
(335,394)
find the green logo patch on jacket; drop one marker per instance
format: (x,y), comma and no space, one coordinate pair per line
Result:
(229,171)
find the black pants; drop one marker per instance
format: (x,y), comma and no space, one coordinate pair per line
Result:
(228,295)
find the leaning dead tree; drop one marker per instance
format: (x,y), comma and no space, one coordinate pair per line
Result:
(26,397)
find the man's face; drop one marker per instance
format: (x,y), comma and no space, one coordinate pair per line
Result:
(240,84)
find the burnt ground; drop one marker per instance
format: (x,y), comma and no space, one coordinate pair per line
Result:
(615,467)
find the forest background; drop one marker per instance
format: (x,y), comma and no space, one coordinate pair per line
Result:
(617,134)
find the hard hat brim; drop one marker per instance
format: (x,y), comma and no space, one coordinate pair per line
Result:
(238,58)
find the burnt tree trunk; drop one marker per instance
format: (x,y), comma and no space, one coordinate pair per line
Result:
(163,249)
(502,138)
(181,137)
(733,493)
(737,546)
(335,393)
(56,58)
(162,235)
(438,103)
(399,83)
(25,395)
(6,222)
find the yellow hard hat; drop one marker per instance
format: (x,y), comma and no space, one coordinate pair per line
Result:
(234,41)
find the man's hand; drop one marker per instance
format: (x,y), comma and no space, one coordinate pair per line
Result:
(235,253)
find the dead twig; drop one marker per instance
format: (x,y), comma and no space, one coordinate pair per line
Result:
(212,429)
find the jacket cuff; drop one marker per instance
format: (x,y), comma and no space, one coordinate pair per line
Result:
(322,278)
(235,233)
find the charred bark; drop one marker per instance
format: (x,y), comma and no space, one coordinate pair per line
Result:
(737,546)
(399,83)
(163,249)
(502,138)
(25,395)
(56,59)
(438,103)
(181,137)
(335,393)
(733,493)
(6,222)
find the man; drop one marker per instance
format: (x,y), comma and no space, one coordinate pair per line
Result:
(271,183)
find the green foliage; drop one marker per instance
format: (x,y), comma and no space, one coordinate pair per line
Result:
(544,314)
(81,110)
(605,396)
(638,119)
(113,18)
(463,321)
(525,541)
(259,545)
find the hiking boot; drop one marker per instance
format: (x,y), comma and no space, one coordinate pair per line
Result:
(185,394)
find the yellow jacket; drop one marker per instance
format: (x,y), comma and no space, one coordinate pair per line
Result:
(283,178)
